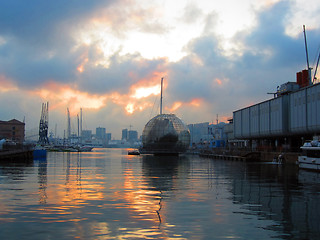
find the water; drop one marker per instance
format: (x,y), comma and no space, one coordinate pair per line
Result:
(107,194)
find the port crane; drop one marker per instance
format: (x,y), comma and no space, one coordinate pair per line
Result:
(43,125)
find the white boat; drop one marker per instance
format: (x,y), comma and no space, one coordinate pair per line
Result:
(310,157)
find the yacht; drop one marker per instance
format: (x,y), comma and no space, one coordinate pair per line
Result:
(310,157)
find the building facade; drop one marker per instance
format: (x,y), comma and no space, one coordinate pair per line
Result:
(287,120)
(133,136)
(101,133)
(13,130)
(124,134)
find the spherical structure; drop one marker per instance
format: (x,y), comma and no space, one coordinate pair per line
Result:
(165,133)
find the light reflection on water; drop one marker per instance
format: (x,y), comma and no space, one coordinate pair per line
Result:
(107,194)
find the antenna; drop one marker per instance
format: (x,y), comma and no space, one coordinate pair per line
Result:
(161,96)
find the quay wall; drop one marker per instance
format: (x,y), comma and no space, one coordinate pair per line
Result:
(288,157)
(16,155)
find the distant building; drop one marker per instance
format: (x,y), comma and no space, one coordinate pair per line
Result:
(199,132)
(124,134)
(12,130)
(101,133)
(86,135)
(133,136)
(108,137)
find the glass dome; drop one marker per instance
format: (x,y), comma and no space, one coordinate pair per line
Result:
(165,133)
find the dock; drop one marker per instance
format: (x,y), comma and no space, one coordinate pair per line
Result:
(18,152)
(223,157)
(258,156)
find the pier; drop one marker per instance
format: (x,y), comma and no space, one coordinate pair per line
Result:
(18,152)
(16,155)
(247,156)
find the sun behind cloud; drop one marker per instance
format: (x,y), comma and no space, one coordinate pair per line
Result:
(62,96)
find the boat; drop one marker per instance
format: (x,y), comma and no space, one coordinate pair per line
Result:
(39,152)
(69,148)
(310,157)
(84,148)
(133,152)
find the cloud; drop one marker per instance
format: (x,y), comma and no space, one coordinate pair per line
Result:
(109,56)
(121,74)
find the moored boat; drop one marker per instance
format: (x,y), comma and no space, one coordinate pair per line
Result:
(39,152)
(310,158)
(133,152)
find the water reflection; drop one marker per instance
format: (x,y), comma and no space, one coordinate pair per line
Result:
(282,194)
(109,195)
(42,180)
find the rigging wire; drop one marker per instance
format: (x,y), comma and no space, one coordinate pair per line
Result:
(155,100)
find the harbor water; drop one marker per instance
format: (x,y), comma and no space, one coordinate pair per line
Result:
(107,194)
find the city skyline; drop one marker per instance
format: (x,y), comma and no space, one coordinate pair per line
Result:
(108,57)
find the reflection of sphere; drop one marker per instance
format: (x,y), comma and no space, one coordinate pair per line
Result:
(165,133)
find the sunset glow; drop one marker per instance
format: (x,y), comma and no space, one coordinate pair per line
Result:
(6,85)
(144,92)
(74,99)
(108,57)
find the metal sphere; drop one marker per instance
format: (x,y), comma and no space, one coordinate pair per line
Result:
(165,133)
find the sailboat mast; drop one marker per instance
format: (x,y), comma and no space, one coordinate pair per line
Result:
(69,125)
(80,125)
(161,96)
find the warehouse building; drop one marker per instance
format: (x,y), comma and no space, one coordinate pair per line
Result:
(12,130)
(283,122)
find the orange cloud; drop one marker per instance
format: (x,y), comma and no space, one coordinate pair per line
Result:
(61,95)
(217,80)
(175,106)
(196,102)
(6,85)
(143,92)
(80,68)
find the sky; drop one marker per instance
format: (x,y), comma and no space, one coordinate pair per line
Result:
(108,57)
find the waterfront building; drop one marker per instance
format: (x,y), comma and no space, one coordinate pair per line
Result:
(86,135)
(12,130)
(132,136)
(108,137)
(124,134)
(198,132)
(283,122)
(101,133)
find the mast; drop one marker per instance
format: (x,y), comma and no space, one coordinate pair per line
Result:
(80,125)
(307,56)
(315,71)
(69,125)
(161,96)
